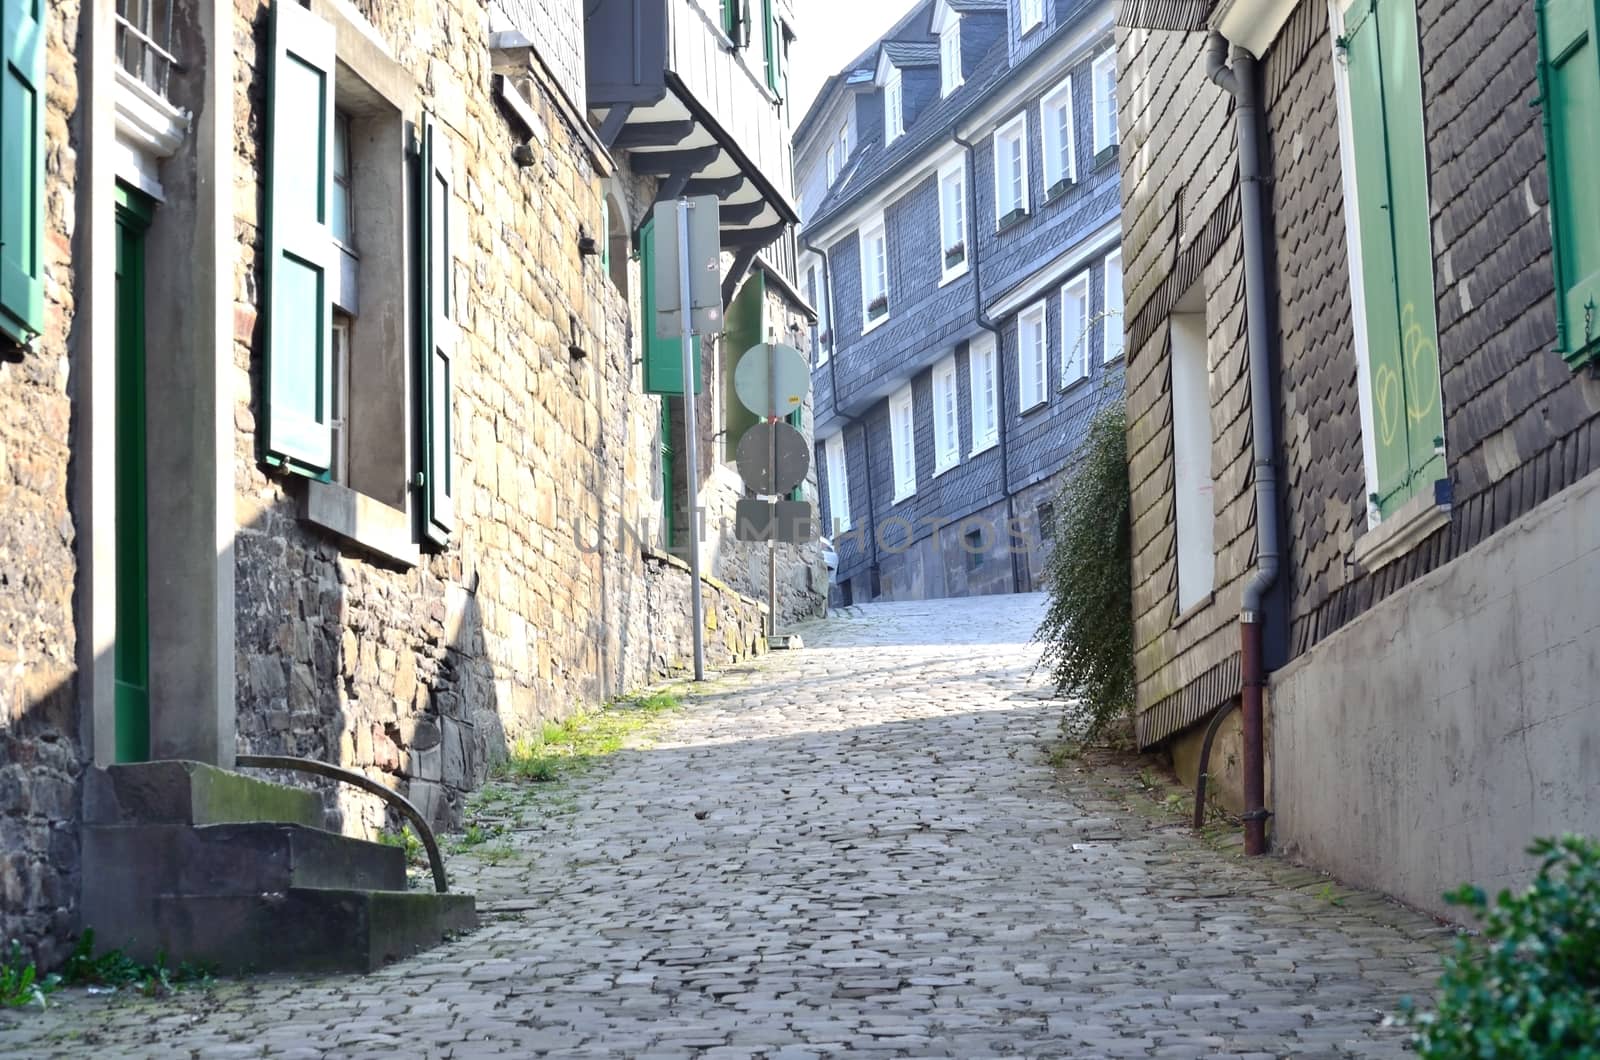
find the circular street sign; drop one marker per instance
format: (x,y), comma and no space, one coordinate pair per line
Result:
(755,458)
(788,381)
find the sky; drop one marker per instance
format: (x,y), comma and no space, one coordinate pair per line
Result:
(831,33)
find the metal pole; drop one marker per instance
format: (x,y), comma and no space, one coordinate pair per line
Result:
(772,464)
(691,428)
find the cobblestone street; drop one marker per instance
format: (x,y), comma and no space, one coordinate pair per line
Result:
(855,848)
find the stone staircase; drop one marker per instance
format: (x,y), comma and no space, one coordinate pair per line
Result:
(199,864)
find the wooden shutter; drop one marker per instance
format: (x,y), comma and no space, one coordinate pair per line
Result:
(1569,79)
(1396,248)
(22,98)
(300,251)
(663,358)
(438,332)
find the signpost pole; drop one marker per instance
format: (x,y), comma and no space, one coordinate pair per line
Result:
(690,431)
(772,462)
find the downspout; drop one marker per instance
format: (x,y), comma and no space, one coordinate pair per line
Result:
(1241,80)
(866,436)
(999,361)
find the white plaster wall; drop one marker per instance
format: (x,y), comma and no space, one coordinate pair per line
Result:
(1426,744)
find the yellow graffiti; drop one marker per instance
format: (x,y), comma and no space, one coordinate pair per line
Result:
(1422,363)
(1388,396)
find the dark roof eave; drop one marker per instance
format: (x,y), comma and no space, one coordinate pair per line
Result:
(780,202)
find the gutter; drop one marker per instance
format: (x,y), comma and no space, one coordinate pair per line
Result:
(990,326)
(1242,81)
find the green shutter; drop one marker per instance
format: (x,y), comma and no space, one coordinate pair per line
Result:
(1569,79)
(663,358)
(22,96)
(773,32)
(300,251)
(746,324)
(438,301)
(1396,248)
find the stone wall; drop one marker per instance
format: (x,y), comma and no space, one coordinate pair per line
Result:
(425,675)
(41,757)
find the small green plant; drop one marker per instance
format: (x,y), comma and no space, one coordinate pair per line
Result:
(20,982)
(406,840)
(1329,895)
(1529,987)
(115,969)
(582,738)
(1087,632)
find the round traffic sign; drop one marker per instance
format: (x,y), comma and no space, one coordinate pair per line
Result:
(772,377)
(755,458)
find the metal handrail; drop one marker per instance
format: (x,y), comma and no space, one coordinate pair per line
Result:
(354,779)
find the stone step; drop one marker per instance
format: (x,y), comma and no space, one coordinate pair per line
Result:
(218,859)
(304,929)
(174,792)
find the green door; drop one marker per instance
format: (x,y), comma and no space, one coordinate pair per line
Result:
(132,654)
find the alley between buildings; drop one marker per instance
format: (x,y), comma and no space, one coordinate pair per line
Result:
(859,847)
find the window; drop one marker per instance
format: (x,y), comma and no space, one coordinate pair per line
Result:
(22,94)
(953,220)
(339,388)
(1032,367)
(736,21)
(1391,255)
(1075,329)
(833,166)
(1105,101)
(144,40)
(1111,315)
(894,114)
(1046,514)
(838,483)
(950,57)
(946,417)
(772,28)
(822,330)
(985,394)
(844,144)
(1060,145)
(1032,12)
(874,276)
(1191,448)
(1011,171)
(972,544)
(903,443)
(1569,79)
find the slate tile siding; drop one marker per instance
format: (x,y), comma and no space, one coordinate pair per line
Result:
(1519,426)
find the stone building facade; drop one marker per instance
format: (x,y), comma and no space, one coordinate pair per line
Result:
(483,549)
(1430,703)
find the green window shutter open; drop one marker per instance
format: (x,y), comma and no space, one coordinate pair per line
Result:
(22,95)
(772,31)
(300,251)
(1569,80)
(663,358)
(746,324)
(438,333)
(1396,248)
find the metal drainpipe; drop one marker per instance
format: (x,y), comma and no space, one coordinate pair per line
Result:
(866,436)
(1241,80)
(999,362)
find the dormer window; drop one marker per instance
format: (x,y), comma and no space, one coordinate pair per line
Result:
(1031,12)
(894,115)
(950,57)
(833,166)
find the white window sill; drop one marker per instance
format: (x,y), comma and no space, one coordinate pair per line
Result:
(1413,523)
(901,498)
(1039,404)
(1070,383)
(984,446)
(369,524)
(942,468)
(870,327)
(951,277)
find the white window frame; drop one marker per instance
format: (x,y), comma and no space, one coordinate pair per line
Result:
(1075,343)
(833,166)
(816,270)
(955,170)
(1194,481)
(1060,160)
(950,77)
(903,443)
(1105,105)
(894,110)
(1030,14)
(946,416)
(983,374)
(1111,311)
(874,230)
(844,143)
(1033,365)
(1013,131)
(838,483)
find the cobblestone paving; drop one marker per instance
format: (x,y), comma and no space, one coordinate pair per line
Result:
(858,848)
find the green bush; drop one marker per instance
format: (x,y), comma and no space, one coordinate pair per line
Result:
(1529,987)
(20,982)
(1088,631)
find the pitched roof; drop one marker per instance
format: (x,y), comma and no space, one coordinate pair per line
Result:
(911,53)
(863,68)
